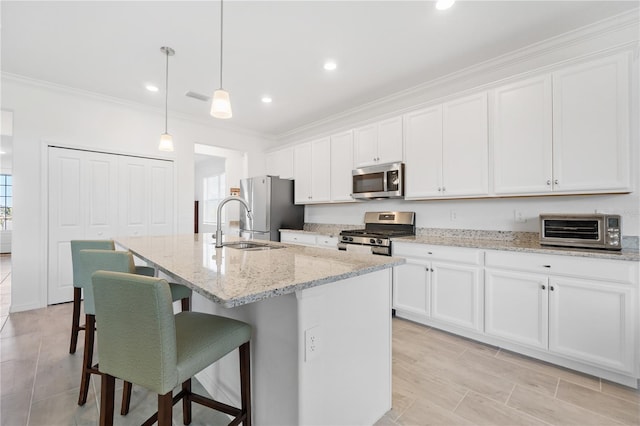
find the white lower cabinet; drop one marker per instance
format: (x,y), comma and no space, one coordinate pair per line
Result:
(440,284)
(567,311)
(309,239)
(578,312)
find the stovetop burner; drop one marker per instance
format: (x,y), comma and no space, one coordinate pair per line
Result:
(380,233)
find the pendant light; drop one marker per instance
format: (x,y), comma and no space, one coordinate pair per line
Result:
(221,105)
(166,141)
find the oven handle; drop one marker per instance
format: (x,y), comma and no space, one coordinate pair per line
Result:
(342,246)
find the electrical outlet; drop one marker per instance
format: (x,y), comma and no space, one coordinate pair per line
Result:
(518,216)
(311,343)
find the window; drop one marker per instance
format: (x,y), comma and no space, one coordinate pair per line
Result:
(6,201)
(213,193)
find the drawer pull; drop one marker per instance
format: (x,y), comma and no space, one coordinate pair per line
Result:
(544,287)
(546,266)
(551,287)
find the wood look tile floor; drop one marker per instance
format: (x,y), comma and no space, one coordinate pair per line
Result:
(438,379)
(442,379)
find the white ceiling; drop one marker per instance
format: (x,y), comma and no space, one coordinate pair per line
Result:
(272,47)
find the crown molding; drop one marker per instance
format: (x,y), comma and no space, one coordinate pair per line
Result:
(131,104)
(599,29)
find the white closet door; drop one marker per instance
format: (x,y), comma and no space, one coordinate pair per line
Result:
(160,197)
(94,195)
(82,205)
(133,201)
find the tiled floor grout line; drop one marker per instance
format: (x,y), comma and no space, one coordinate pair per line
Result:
(35,376)
(461,399)
(555,394)
(510,393)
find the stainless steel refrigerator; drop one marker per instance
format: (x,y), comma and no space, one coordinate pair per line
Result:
(272,207)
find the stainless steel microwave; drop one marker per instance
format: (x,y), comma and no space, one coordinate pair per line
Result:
(601,231)
(379,181)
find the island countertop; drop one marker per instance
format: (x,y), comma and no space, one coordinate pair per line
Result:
(232,277)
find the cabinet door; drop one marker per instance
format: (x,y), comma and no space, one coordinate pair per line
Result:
(591,126)
(411,289)
(592,321)
(390,140)
(522,137)
(423,147)
(341,166)
(465,167)
(302,173)
(365,145)
(280,163)
(456,295)
(516,307)
(321,170)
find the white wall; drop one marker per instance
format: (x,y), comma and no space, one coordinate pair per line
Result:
(52,115)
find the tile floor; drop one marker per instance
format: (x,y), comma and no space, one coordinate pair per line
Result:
(438,379)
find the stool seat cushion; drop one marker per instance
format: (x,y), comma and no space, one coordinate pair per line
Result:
(202,339)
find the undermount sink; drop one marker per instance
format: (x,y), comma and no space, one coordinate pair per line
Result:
(249,245)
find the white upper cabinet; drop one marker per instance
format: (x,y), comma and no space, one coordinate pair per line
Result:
(447,149)
(423,148)
(522,156)
(280,163)
(465,150)
(591,126)
(378,143)
(341,166)
(312,172)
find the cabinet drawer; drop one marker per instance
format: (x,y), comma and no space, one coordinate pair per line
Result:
(431,252)
(327,242)
(298,238)
(581,267)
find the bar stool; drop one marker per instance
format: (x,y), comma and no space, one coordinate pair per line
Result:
(179,292)
(90,261)
(143,342)
(76,246)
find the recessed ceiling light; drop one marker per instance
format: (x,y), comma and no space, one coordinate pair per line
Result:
(444,4)
(267,99)
(330,66)
(151,88)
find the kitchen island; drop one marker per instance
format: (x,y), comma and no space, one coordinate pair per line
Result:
(321,344)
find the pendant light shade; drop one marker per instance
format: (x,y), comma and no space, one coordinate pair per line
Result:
(221,105)
(166,140)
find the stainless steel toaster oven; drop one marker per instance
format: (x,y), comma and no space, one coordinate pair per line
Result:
(599,231)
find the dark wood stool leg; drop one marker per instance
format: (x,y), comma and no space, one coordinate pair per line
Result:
(245,382)
(75,320)
(186,402)
(89,333)
(126,398)
(186,304)
(108,388)
(165,409)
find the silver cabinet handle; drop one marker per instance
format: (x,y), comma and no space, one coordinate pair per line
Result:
(544,287)
(549,182)
(439,189)
(556,181)
(551,288)
(444,189)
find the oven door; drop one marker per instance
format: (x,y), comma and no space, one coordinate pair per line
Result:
(364,249)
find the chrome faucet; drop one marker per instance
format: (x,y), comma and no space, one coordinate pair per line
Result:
(219,220)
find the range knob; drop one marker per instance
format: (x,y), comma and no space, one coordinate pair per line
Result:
(372,241)
(350,238)
(379,241)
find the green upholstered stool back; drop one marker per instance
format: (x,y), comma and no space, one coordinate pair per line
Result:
(77,245)
(91,261)
(136,333)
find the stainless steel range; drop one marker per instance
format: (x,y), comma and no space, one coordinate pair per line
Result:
(379,228)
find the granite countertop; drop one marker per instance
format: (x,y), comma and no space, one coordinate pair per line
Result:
(527,242)
(520,245)
(233,277)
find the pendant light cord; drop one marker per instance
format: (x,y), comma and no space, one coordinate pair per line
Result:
(221,55)
(166,93)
